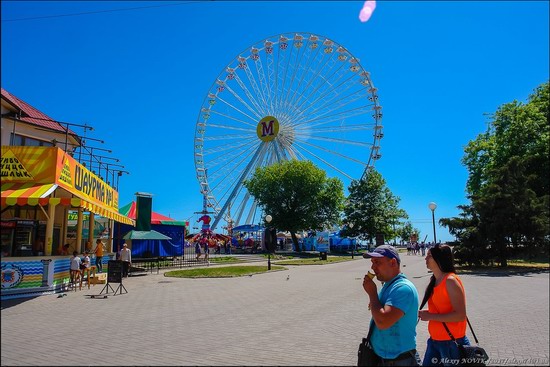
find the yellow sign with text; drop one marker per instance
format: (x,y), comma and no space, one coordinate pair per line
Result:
(28,164)
(53,165)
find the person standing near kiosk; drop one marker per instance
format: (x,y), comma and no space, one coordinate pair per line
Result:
(126,258)
(99,255)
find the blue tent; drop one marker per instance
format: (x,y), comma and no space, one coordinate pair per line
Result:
(153,247)
(338,243)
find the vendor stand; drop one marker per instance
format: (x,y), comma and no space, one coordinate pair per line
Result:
(40,185)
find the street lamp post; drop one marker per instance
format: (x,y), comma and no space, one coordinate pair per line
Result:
(353,247)
(432,207)
(268,219)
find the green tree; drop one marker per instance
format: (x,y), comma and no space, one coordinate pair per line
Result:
(508,185)
(406,230)
(372,208)
(298,196)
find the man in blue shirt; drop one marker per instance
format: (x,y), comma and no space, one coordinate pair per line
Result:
(394,309)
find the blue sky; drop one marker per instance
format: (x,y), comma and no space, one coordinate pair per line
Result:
(139,77)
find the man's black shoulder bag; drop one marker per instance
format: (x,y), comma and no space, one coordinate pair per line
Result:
(365,354)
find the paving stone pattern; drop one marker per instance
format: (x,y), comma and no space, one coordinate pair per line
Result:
(315,318)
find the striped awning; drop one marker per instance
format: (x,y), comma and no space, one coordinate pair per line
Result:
(17,193)
(35,194)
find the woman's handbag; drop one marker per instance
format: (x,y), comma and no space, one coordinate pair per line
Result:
(365,354)
(470,355)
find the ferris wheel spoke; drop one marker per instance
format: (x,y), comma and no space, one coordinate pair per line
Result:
(222,162)
(343,128)
(305,71)
(302,96)
(333,152)
(225,148)
(336,92)
(271,78)
(361,110)
(233,118)
(220,170)
(293,154)
(264,157)
(226,190)
(247,92)
(228,137)
(297,112)
(261,99)
(262,88)
(332,105)
(264,84)
(251,212)
(255,112)
(225,162)
(292,81)
(243,175)
(325,162)
(278,153)
(296,153)
(294,69)
(241,207)
(276,82)
(320,88)
(287,52)
(231,127)
(234,108)
(335,140)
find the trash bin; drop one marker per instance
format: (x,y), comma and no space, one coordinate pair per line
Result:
(322,255)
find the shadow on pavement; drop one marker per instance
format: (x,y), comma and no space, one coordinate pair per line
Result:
(14,302)
(500,273)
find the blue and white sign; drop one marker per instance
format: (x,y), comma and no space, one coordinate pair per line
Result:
(322,242)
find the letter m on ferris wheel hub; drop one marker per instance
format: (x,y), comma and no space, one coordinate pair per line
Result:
(267,128)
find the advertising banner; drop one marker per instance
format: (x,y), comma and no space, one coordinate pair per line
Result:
(28,164)
(54,165)
(322,242)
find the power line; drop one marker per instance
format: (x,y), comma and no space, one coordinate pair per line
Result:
(98,12)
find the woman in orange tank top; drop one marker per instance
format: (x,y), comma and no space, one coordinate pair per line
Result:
(446,304)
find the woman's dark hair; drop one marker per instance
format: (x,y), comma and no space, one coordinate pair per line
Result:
(443,257)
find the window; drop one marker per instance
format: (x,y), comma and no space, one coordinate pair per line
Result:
(21,140)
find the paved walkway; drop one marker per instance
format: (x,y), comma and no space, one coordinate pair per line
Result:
(316,317)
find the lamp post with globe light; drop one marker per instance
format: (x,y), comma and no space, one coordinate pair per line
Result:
(268,241)
(432,207)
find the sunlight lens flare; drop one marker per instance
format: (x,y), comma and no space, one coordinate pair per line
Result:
(368,9)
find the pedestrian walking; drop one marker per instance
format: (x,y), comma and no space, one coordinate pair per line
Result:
(197,251)
(75,273)
(446,313)
(206,250)
(126,258)
(393,310)
(99,247)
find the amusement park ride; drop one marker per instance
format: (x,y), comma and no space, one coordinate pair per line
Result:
(206,237)
(290,96)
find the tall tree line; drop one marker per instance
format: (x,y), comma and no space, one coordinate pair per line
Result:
(508,186)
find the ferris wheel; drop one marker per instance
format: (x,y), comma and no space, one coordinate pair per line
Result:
(290,96)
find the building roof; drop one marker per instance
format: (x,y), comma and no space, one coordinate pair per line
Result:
(129,210)
(31,115)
